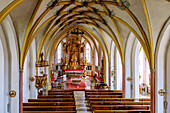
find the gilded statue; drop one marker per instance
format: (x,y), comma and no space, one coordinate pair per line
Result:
(74,57)
(85,62)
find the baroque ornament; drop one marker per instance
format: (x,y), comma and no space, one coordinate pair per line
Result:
(161,92)
(12,93)
(123,4)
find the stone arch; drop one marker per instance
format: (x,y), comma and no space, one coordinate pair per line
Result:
(13,61)
(160,63)
(128,64)
(2,80)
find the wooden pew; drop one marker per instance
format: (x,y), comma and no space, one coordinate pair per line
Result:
(49,111)
(104,96)
(119,103)
(60,90)
(58,93)
(103,90)
(120,107)
(52,100)
(103,93)
(49,104)
(49,108)
(121,111)
(118,99)
(56,96)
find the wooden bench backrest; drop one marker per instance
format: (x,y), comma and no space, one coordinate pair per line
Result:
(49,111)
(104,96)
(120,107)
(119,103)
(56,96)
(49,108)
(117,99)
(121,111)
(58,93)
(49,104)
(52,100)
(103,93)
(102,90)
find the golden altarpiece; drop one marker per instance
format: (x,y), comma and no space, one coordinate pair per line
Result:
(74,53)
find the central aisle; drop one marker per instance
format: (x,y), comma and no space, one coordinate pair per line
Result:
(81,102)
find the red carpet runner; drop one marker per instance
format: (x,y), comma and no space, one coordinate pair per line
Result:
(81,86)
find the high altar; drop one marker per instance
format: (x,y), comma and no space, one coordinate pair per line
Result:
(74,62)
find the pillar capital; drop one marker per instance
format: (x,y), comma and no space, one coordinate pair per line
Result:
(21,70)
(152,70)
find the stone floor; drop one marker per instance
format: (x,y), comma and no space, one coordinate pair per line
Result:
(81,102)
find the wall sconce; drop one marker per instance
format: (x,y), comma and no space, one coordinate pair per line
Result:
(12,93)
(113,72)
(161,92)
(32,79)
(129,79)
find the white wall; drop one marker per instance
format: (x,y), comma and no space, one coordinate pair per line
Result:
(160,68)
(2,80)
(118,71)
(167,79)
(128,64)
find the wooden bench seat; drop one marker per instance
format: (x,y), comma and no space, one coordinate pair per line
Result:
(104,96)
(49,111)
(119,103)
(58,93)
(52,100)
(103,90)
(60,90)
(49,108)
(121,111)
(117,99)
(49,104)
(103,93)
(56,96)
(120,107)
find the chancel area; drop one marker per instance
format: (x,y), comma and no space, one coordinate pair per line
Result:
(84,56)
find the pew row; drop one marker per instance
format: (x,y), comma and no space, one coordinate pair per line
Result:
(49,108)
(49,111)
(49,104)
(120,107)
(121,111)
(58,93)
(119,103)
(56,96)
(52,100)
(118,99)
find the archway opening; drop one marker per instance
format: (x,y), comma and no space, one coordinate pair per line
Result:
(144,75)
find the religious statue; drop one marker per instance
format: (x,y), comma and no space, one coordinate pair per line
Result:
(85,62)
(41,56)
(74,57)
(61,60)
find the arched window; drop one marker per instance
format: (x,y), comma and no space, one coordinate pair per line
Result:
(88,53)
(59,55)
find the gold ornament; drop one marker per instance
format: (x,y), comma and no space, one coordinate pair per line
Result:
(12,93)
(129,79)
(32,79)
(161,92)
(41,72)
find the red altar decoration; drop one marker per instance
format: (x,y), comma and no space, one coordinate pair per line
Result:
(99,79)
